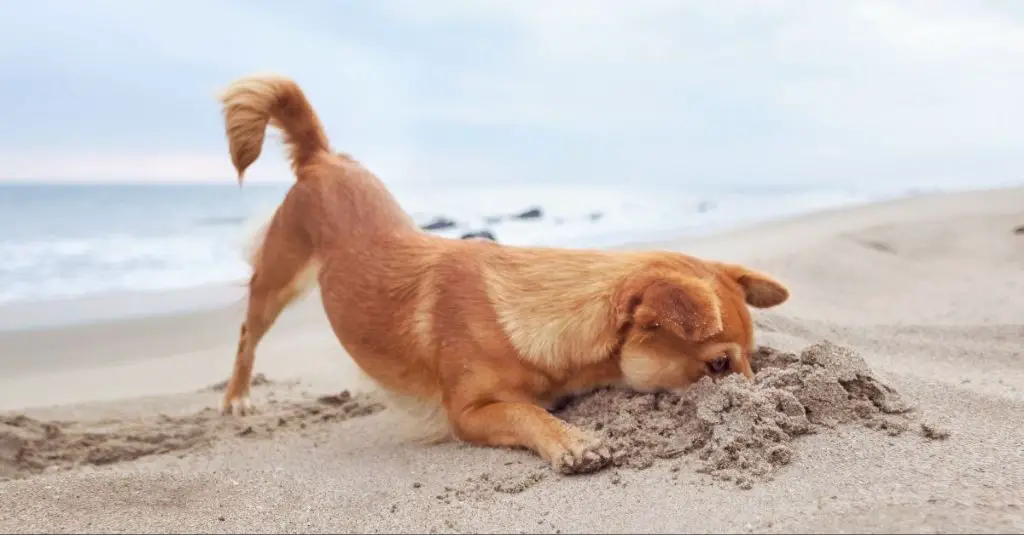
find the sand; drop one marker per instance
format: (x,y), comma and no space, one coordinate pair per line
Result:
(887,397)
(29,446)
(743,431)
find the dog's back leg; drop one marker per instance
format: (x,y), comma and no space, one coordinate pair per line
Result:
(283,268)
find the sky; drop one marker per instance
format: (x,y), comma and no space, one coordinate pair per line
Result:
(641,92)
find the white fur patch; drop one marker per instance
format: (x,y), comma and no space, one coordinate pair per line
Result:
(642,371)
(255,233)
(418,419)
(423,315)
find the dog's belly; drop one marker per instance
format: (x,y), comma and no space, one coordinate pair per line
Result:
(380,351)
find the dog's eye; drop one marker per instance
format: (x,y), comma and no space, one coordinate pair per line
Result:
(719,364)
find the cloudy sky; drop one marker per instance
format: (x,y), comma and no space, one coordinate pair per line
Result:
(644,91)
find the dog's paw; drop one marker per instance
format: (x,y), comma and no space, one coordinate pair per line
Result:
(581,455)
(237,406)
(589,460)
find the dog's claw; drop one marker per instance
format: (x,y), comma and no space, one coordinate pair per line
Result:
(585,461)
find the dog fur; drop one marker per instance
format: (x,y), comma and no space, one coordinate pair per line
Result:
(485,335)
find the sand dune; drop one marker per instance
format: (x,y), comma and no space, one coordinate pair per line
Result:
(888,398)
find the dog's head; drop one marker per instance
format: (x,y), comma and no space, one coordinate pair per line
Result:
(686,318)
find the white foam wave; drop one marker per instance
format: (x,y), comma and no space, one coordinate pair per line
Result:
(58,268)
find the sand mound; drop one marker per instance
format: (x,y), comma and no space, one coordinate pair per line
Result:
(739,430)
(29,446)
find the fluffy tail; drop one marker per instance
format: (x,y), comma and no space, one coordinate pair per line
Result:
(250,103)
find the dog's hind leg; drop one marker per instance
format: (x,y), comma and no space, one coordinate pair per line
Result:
(283,268)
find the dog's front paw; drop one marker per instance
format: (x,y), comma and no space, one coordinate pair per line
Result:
(581,454)
(237,405)
(584,462)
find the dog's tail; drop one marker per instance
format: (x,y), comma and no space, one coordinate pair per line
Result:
(250,103)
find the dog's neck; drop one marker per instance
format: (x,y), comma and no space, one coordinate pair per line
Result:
(605,369)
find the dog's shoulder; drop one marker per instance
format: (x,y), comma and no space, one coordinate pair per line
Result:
(554,306)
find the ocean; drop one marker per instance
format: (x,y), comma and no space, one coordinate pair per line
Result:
(67,241)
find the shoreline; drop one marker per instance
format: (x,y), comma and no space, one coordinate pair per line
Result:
(101,308)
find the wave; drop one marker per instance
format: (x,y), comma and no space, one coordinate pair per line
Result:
(59,268)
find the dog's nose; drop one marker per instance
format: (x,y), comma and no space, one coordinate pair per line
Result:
(719,364)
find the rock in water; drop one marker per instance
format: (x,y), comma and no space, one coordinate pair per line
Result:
(481,234)
(438,223)
(532,213)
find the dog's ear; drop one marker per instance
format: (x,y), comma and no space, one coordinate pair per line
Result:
(760,289)
(686,307)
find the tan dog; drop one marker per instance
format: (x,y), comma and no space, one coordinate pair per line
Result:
(489,332)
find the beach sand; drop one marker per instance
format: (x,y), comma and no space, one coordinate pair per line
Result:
(889,398)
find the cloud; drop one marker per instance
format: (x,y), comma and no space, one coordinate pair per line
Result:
(650,91)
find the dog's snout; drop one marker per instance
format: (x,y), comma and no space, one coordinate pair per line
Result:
(719,364)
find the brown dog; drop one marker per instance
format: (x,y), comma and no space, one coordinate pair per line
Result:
(491,333)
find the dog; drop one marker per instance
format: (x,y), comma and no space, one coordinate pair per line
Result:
(489,335)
